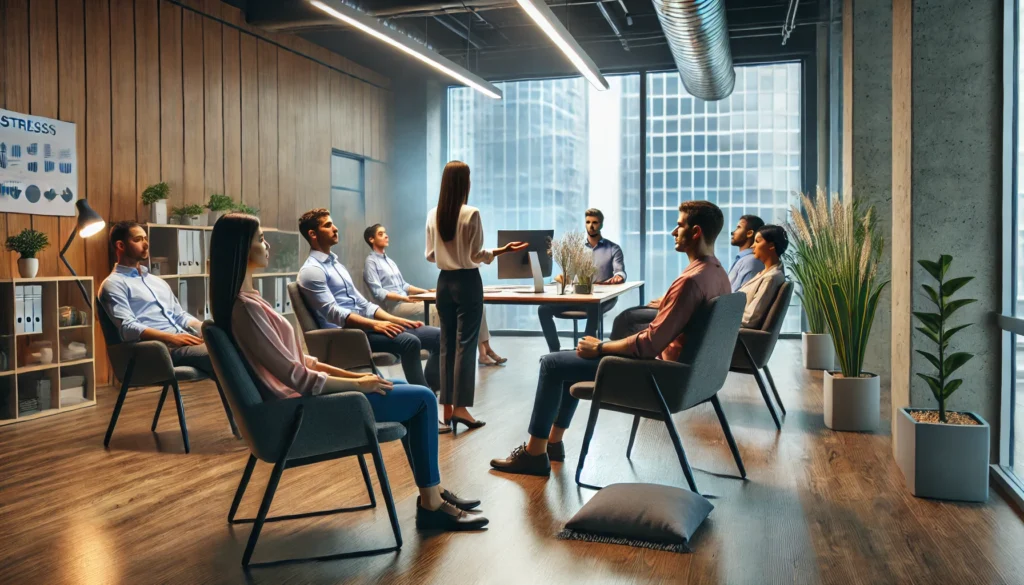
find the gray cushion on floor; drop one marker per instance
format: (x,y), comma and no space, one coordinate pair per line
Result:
(642,515)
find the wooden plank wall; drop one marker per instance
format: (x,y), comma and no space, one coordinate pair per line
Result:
(185,92)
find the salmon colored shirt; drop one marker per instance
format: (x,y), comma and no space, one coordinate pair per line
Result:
(704,279)
(273,349)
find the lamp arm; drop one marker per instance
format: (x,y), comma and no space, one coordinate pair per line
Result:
(85,293)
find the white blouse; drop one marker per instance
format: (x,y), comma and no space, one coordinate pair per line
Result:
(761,291)
(465,251)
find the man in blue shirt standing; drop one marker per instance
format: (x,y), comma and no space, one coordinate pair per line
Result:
(143,307)
(611,269)
(327,287)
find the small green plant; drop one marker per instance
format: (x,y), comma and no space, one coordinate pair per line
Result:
(155,193)
(219,202)
(28,243)
(243,208)
(936,327)
(586,270)
(188,210)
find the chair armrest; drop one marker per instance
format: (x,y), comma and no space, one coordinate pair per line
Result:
(342,348)
(625,382)
(330,422)
(151,362)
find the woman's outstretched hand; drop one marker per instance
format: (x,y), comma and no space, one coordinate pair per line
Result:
(511,247)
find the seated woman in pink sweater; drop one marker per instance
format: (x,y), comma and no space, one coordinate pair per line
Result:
(274,352)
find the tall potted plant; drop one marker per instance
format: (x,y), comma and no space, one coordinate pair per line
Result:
(218,205)
(155,196)
(848,294)
(27,244)
(943,454)
(807,267)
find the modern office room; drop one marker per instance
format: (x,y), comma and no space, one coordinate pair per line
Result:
(511,291)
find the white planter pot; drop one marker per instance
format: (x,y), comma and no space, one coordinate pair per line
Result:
(158,212)
(819,353)
(852,404)
(28,267)
(192,220)
(946,462)
(212,218)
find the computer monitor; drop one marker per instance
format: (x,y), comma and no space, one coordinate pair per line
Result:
(517,264)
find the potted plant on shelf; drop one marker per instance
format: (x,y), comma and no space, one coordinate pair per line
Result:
(189,214)
(807,267)
(218,205)
(243,208)
(586,270)
(943,454)
(565,251)
(27,244)
(155,196)
(848,294)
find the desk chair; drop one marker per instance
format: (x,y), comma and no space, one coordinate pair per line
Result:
(148,363)
(300,431)
(755,346)
(657,389)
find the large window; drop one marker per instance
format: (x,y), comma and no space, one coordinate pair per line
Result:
(1016,398)
(552,148)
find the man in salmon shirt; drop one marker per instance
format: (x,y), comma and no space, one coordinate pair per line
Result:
(704,279)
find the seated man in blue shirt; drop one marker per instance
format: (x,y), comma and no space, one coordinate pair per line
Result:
(329,291)
(611,269)
(143,307)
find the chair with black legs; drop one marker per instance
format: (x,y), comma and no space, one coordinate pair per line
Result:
(755,346)
(139,364)
(656,389)
(300,431)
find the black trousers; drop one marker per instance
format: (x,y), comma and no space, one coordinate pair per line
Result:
(460,307)
(632,321)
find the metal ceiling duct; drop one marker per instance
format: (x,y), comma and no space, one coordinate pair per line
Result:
(699,39)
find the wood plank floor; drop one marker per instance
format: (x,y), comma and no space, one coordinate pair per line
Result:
(818,506)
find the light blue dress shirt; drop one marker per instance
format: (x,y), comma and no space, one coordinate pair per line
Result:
(135,300)
(744,267)
(328,288)
(608,259)
(382,276)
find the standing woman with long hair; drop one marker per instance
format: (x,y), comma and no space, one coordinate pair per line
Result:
(455,239)
(274,352)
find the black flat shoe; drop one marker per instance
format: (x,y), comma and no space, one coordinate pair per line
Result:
(523,463)
(447,518)
(556,451)
(461,503)
(471,424)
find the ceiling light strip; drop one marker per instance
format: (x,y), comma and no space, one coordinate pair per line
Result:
(553,28)
(370,26)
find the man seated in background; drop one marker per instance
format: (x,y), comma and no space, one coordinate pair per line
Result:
(143,307)
(329,291)
(744,267)
(553,407)
(611,269)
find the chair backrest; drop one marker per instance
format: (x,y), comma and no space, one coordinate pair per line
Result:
(710,339)
(235,379)
(777,313)
(302,312)
(761,346)
(111,335)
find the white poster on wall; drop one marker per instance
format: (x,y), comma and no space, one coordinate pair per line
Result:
(38,165)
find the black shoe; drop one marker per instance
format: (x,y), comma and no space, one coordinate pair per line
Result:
(522,462)
(471,424)
(556,451)
(460,503)
(447,518)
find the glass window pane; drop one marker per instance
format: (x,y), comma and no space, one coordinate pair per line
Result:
(346,172)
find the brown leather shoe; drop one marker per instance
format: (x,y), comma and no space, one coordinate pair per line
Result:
(521,462)
(447,518)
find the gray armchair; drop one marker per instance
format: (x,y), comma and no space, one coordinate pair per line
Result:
(755,346)
(300,431)
(347,349)
(657,389)
(148,363)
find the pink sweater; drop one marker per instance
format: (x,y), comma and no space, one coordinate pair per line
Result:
(273,349)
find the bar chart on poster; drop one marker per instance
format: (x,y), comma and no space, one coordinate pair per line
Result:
(38,165)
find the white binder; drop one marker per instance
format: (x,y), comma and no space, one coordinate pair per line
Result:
(287,297)
(19,310)
(182,252)
(197,253)
(279,294)
(37,308)
(183,294)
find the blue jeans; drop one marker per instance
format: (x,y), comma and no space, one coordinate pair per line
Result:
(415,407)
(553,404)
(407,347)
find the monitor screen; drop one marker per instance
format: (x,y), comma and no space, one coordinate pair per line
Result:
(517,264)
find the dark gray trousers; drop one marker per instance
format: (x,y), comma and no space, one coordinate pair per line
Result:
(460,307)
(632,321)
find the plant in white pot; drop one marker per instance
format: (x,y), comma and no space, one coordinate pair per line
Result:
(586,270)
(155,196)
(27,244)
(218,205)
(189,214)
(807,266)
(849,293)
(943,454)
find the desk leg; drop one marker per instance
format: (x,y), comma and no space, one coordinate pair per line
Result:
(426,312)
(600,321)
